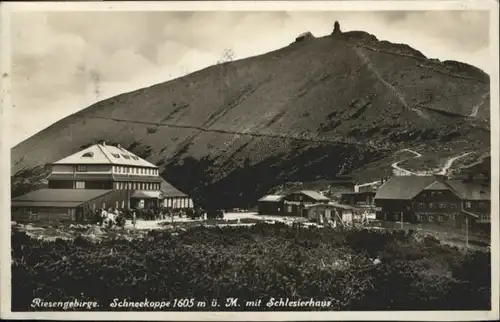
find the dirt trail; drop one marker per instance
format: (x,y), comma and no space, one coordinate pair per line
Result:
(400,96)
(476,107)
(397,170)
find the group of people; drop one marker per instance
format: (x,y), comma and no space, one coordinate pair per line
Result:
(115,217)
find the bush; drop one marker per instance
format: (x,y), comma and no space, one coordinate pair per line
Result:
(250,263)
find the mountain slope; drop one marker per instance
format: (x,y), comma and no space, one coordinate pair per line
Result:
(313,110)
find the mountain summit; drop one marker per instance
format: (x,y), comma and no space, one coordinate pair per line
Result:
(343,104)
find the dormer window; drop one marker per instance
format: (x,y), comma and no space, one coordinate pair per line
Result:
(88,155)
(115,155)
(134,157)
(125,156)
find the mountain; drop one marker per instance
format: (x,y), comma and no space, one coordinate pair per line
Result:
(343,104)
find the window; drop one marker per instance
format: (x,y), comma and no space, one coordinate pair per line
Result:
(125,156)
(103,205)
(80,185)
(134,157)
(440,218)
(452,205)
(431,205)
(117,156)
(421,217)
(150,186)
(116,204)
(123,204)
(81,168)
(442,205)
(482,205)
(485,217)
(430,218)
(129,184)
(288,208)
(468,204)
(88,155)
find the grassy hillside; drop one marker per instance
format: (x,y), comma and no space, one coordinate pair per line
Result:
(313,110)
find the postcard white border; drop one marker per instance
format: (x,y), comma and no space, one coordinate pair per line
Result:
(7,8)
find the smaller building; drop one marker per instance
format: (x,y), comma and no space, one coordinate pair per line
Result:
(329,213)
(365,198)
(270,205)
(173,198)
(56,205)
(295,202)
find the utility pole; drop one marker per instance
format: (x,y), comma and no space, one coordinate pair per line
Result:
(401,220)
(466,231)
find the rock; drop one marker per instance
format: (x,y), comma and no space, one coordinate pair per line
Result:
(336,28)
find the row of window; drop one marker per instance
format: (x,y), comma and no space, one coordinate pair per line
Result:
(432,218)
(135,170)
(136,186)
(179,203)
(436,205)
(485,217)
(124,170)
(467,204)
(126,185)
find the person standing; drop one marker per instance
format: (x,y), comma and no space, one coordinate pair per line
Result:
(134,219)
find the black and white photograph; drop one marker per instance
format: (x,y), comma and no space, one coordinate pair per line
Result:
(224,159)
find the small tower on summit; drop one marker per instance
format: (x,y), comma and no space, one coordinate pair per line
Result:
(336,28)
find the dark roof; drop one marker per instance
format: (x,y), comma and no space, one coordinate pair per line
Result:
(471,190)
(167,190)
(46,204)
(58,197)
(438,185)
(314,195)
(404,187)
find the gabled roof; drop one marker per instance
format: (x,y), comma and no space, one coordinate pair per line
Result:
(404,187)
(167,190)
(274,198)
(58,197)
(437,185)
(471,190)
(314,195)
(105,154)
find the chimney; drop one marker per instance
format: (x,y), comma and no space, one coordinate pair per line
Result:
(118,146)
(103,143)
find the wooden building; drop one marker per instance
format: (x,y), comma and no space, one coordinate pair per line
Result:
(294,203)
(394,198)
(55,205)
(436,200)
(324,213)
(270,205)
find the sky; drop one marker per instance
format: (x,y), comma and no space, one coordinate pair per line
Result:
(63,62)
